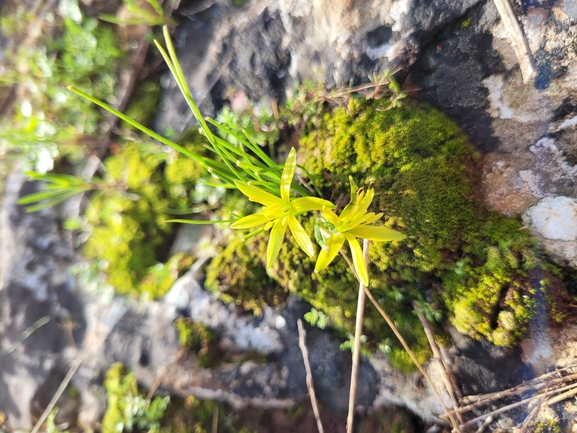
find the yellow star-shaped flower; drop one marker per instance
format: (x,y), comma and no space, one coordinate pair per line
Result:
(280,212)
(353,223)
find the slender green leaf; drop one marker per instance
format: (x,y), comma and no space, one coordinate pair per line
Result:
(219,185)
(156,6)
(199,222)
(45,195)
(138,126)
(253,234)
(256,149)
(51,202)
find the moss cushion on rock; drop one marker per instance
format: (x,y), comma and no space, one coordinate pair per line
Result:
(457,257)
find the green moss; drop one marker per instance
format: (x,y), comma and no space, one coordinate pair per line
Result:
(549,426)
(239,275)
(190,415)
(477,267)
(388,420)
(143,103)
(130,236)
(420,165)
(127,409)
(200,340)
(494,294)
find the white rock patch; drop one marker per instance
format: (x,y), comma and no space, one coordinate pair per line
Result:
(555,218)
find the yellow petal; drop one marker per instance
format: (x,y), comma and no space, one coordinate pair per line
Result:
(301,236)
(358,220)
(378,234)
(331,217)
(359,210)
(249,221)
(347,211)
(288,173)
(371,218)
(366,201)
(275,241)
(306,204)
(258,195)
(326,256)
(358,259)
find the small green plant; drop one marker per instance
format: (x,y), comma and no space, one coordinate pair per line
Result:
(317,318)
(126,225)
(549,426)
(191,415)
(153,15)
(350,343)
(51,426)
(70,49)
(127,409)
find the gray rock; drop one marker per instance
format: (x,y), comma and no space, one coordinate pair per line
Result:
(264,49)
(35,287)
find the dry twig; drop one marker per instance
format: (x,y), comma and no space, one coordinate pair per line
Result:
(59,392)
(385,316)
(536,384)
(215,419)
(309,379)
(519,403)
(518,40)
(437,356)
(488,421)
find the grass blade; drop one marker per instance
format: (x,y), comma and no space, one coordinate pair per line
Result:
(199,222)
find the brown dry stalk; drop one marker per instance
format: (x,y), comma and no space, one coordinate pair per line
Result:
(357,345)
(385,316)
(561,397)
(58,393)
(412,356)
(310,386)
(518,40)
(215,419)
(437,355)
(534,385)
(515,405)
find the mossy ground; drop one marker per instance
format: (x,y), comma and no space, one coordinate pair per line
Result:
(130,235)
(480,269)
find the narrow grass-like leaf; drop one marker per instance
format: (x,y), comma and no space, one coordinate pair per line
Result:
(56,199)
(188,211)
(253,234)
(218,185)
(199,222)
(311,179)
(45,195)
(156,6)
(138,126)
(174,66)
(181,82)
(255,148)
(59,179)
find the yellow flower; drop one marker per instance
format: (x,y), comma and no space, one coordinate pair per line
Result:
(353,223)
(279,213)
